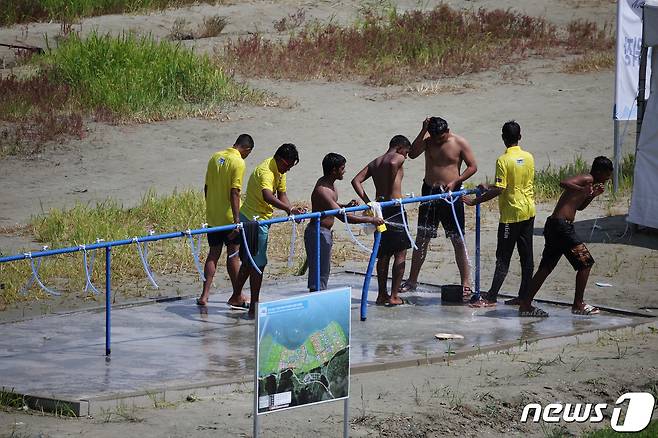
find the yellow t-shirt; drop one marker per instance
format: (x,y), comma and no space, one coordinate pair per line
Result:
(265,176)
(515,173)
(225,172)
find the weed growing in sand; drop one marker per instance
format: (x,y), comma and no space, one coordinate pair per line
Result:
(121,413)
(112,79)
(109,220)
(591,62)
(24,11)
(290,21)
(388,47)
(142,78)
(651,431)
(10,399)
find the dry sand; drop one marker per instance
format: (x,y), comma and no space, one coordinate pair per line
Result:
(561,115)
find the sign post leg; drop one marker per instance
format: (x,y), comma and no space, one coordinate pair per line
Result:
(256,420)
(346,418)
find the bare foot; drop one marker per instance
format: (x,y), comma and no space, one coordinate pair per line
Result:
(408,286)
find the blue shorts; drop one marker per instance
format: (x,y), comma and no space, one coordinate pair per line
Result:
(259,253)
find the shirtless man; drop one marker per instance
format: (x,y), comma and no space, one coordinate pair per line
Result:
(325,197)
(561,238)
(444,154)
(386,172)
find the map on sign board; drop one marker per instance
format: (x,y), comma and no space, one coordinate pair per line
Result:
(303,350)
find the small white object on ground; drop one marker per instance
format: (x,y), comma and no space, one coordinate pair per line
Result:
(448,336)
(603,284)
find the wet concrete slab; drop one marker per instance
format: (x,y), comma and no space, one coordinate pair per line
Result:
(176,345)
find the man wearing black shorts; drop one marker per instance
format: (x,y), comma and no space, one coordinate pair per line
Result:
(222,192)
(387,172)
(445,153)
(561,238)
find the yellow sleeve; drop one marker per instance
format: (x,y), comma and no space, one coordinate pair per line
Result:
(501,173)
(238,174)
(209,170)
(282,184)
(265,180)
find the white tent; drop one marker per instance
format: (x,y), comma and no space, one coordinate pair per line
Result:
(644,201)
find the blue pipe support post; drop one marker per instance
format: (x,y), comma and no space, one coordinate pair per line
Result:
(108,299)
(317,254)
(366,281)
(477,252)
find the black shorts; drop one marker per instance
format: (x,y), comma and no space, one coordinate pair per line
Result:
(219,238)
(562,240)
(395,238)
(433,213)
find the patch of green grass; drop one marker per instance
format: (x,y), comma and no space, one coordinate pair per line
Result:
(387,47)
(651,431)
(137,77)
(109,220)
(111,79)
(8,398)
(24,11)
(547,180)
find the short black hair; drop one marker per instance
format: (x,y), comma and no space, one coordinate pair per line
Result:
(601,164)
(511,133)
(288,152)
(245,140)
(437,126)
(399,141)
(332,161)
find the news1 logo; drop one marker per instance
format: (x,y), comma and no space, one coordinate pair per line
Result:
(638,412)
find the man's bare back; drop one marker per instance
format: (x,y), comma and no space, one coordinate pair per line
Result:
(387,174)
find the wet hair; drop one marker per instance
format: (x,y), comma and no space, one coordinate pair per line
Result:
(245,141)
(511,133)
(399,141)
(288,152)
(437,126)
(332,161)
(601,164)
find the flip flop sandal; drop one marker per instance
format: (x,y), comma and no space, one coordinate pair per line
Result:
(481,303)
(588,309)
(534,312)
(407,287)
(199,303)
(403,303)
(243,306)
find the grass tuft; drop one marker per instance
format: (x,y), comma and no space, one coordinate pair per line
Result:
(112,78)
(386,47)
(591,62)
(24,11)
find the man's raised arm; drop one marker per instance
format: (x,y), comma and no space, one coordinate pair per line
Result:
(418,146)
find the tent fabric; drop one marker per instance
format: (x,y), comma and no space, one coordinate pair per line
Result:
(644,201)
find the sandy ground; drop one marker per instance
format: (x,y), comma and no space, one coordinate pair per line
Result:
(561,115)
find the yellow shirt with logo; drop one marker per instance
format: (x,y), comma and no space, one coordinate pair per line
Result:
(515,174)
(265,176)
(225,172)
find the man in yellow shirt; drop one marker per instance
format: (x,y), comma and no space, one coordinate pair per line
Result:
(515,173)
(222,191)
(266,190)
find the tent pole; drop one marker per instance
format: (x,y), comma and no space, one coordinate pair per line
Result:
(641,100)
(617,148)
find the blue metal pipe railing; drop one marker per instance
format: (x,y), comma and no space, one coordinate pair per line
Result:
(314,215)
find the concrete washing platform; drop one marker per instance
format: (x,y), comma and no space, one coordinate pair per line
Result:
(168,350)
